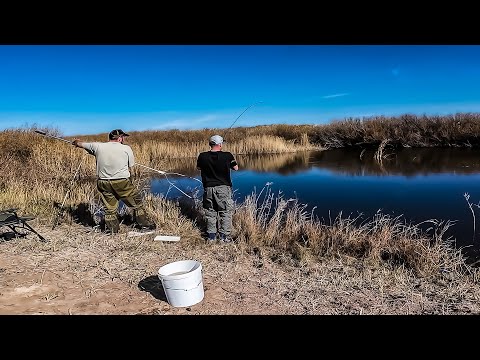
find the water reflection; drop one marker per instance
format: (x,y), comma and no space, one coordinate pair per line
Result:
(405,162)
(288,163)
(419,184)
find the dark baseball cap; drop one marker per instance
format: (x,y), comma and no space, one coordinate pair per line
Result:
(115,134)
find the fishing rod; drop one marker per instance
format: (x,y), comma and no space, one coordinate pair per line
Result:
(53,137)
(61,139)
(165,173)
(241,115)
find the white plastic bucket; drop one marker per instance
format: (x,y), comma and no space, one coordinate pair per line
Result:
(182,282)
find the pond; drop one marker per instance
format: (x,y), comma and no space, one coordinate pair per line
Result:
(416,184)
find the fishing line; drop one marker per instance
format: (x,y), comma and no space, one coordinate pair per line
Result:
(62,206)
(168,173)
(164,173)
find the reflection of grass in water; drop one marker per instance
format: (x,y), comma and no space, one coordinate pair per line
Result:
(277,162)
(285,162)
(406,162)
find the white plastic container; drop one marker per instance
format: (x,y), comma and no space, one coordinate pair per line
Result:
(182,282)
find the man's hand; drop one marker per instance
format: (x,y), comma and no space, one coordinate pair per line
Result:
(76,142)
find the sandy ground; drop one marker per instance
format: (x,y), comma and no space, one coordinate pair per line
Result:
(81,271)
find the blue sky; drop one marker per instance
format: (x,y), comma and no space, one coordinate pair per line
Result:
(91,89)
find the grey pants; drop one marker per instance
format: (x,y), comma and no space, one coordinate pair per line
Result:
(218,205)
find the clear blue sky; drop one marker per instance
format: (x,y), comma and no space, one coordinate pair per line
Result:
(90,89)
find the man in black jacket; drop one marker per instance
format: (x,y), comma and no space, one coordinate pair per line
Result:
(215,166)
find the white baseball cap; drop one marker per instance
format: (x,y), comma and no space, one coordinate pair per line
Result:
(216,140)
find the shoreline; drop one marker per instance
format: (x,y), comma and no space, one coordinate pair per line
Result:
(81,271)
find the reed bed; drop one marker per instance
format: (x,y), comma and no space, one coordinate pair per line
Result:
(155,153)
(268,220)
(297,134)
(457,130)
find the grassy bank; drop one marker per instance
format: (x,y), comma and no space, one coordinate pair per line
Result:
(39,172)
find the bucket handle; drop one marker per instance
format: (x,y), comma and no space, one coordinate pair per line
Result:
(188,289)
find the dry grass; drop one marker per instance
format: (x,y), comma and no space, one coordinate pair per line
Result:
(459,130)
(382,256)
(331,272)
(269,220)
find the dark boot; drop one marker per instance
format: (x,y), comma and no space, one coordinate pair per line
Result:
(113,225)
(142,220)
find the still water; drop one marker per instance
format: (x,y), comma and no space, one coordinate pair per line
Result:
(417,184)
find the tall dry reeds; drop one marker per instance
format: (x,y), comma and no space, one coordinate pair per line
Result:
(267,219)
(458,130)
(291,134)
